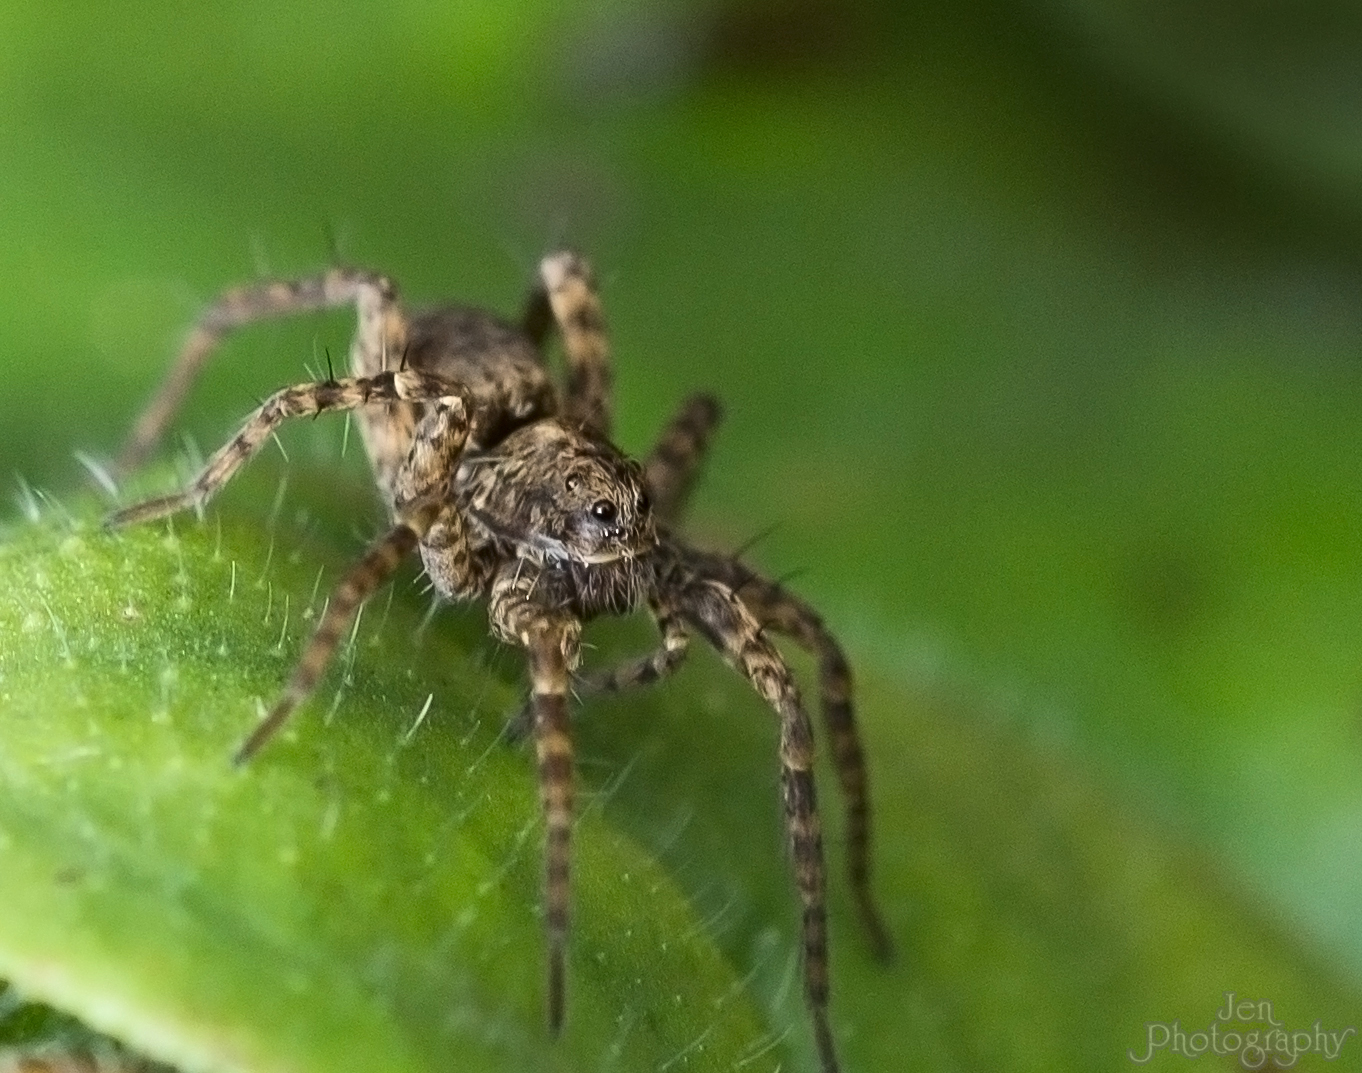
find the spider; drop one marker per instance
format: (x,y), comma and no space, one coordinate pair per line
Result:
(512,492)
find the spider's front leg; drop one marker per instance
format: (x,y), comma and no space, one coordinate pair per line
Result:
(383,330)
(422,513)
(716,611)
(301,400)
(523,613)
(661,663)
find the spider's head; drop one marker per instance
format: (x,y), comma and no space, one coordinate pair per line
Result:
(558,493)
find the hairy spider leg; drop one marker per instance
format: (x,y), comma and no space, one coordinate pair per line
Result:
(425,519)
(570,289)
(359,583)
(300,400)
(720,615)
(552,643)
(787,614)
(422,511)
(669,471)
(653,667)
(672,465)
(661,663)
(378,344)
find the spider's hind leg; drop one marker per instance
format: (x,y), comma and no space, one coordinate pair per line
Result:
(382,330)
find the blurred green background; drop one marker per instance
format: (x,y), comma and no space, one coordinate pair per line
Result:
(1039,327)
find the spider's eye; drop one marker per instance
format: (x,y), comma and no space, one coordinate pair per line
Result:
(573,482)
(644,502)
(604,511)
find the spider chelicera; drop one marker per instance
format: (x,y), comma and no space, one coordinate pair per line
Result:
(512,492)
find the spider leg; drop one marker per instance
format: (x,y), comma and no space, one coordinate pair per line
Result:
(358,584)
(446,553)
(645,670)
(383,329)
(787,614)
(301,400)
(570,289)
(718,613)
(552,642)
(425,518)
(536,319)
(671,466)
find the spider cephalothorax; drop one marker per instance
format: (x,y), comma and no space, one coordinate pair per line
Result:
(512,493)
(551,494)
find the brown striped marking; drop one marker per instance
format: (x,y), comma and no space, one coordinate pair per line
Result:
(553,748)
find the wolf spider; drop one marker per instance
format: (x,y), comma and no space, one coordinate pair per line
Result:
(512,492)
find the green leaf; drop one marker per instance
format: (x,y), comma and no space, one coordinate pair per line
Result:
(364,896)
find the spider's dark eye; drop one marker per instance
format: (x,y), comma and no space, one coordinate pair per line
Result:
(603,511)
(644,502)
